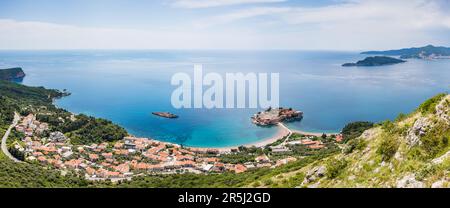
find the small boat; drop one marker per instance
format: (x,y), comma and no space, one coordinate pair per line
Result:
(165,114)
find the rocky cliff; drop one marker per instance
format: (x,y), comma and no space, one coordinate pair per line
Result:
(12,74)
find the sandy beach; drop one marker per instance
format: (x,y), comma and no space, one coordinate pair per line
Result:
(282,132)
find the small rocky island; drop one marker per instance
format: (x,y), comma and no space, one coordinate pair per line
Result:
(273,116)
(12,74)
(375,61)
(165,115)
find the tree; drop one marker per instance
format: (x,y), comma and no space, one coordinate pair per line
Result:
(355,129)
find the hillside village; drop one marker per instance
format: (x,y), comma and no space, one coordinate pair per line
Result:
(136,156)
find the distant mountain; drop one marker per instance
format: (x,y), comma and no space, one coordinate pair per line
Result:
(12,74)
(427,52)
(375,61)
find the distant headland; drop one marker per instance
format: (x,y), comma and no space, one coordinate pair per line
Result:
(375,61)
(12,74)
(426,52)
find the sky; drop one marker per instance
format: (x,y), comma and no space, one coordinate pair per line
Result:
(223,24)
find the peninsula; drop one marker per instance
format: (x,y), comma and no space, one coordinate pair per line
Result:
(12,74)
(273,116)
(375,61)
(426,52)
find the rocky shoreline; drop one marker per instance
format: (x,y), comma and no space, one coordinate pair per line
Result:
(273,116)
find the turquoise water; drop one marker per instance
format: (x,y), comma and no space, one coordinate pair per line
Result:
(126,86)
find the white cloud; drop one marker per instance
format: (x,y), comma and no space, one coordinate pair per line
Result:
(416,13)
(195,4)
(243,14)
(41,35)
(372,24)
(355,25)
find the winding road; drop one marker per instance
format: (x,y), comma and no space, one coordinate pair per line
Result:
(288,136)
(5,137)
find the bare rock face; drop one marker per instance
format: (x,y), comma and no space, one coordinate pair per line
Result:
(438,184)
(420,127)
(369,134)
(441,159)
(321,171)
(409,181)
(443,109)
(443,113)
(314,174)
(398,156)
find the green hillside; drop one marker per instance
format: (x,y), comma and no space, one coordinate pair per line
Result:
(412,151)
(23,99)
(11,73)
(425,52)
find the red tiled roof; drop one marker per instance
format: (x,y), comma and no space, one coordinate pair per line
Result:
(239,168)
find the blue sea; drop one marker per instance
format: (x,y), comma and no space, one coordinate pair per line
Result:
(126,86)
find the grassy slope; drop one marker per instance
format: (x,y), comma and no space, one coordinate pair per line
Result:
(369,167)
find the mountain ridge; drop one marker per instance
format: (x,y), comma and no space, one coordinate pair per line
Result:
(426,52)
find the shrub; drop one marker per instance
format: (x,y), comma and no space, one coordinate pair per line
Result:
(268,182)
(429,106)
(388,126)
(355,129)
(237,158)
(356,144)
(256,184)
(335,167)
(401,117)
(388,148)
(425,171)
(436,140)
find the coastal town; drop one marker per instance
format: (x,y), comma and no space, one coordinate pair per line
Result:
(134,156)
